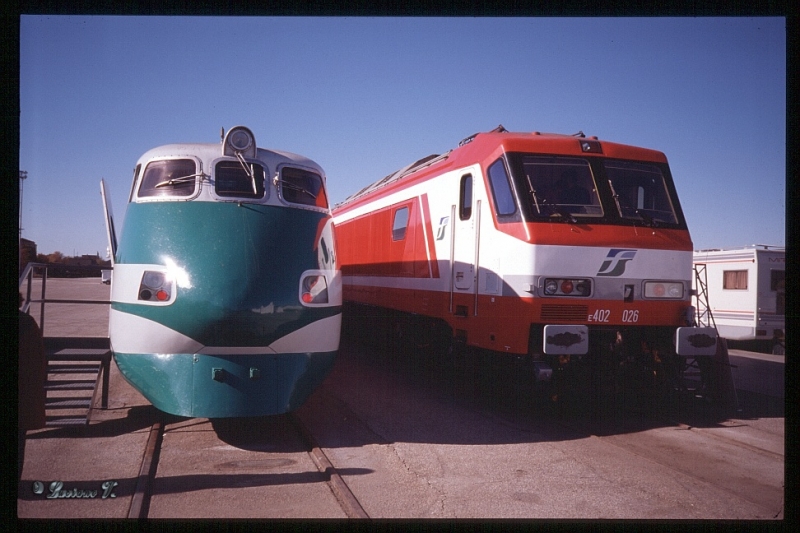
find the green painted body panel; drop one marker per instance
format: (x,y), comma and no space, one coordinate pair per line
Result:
(243,261)
(184,384)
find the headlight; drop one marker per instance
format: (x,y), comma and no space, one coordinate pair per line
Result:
(550,286)
(567,287)
(663,289)
(239,140)
(155,287)
(314,289)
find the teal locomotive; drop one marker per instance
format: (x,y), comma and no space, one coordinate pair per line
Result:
(226,295)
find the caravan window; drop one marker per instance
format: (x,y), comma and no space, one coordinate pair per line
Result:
(777,280)
(777,283)
(734,279)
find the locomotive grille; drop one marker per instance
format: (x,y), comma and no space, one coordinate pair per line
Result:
(574,313)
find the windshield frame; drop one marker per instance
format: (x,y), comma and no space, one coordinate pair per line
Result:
(234,166)
(658,192)
(156,187)
(560,187)
(612,214)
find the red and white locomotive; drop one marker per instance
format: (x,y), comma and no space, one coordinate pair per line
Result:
(556,246)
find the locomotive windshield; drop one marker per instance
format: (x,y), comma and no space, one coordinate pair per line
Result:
(171,177)
(302,187)
(232,179)
(592,190)
(640,192)
(561,186)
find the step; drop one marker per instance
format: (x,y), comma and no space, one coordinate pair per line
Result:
(68,403)
(70,385)
(67,421)
(55,368)
(74,354)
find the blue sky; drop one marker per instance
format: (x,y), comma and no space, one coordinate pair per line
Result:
(366,96)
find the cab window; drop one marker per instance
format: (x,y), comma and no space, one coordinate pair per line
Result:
(400,224)
(171,177)
(133,185)
(465,197)
(640,191)
(501,189)
(232,179)
(560,187)
(300,186)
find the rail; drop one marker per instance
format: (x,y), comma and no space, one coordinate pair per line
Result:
(26,278)
(65,354)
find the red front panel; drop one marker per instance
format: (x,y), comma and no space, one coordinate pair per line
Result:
(502,322)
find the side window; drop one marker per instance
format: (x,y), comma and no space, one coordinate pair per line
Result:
(465,197)
(501,189)
(231,179)
(777,280)
(133,185)
(302,187)
(734,279)
(400,224)
(171,177)
(777,283)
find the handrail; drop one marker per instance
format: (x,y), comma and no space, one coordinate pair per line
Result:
(27,276)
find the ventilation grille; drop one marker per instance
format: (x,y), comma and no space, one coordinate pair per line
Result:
(571,313)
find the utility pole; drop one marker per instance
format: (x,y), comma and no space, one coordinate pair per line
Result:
(23,175)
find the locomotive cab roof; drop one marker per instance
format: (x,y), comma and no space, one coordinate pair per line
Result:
(480,146)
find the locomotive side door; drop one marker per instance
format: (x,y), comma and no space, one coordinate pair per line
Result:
(463,246)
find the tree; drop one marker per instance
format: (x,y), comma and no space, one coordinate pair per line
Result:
(55,257)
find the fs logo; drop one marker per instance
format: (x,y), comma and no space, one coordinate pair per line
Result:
(443,222)
(615,262)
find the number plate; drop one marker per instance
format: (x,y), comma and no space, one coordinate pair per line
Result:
(696,341)
(572,340)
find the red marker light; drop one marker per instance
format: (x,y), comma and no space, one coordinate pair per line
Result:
(307,298)
(566,286)
(162,295)
(659,290)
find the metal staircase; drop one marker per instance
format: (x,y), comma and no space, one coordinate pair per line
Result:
(77,367)
(77,370)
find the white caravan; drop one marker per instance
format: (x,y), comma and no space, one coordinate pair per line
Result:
(746,290)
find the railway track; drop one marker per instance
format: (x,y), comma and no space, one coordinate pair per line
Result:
(147,482)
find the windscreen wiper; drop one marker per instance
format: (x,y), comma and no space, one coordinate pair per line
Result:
(647,219)
(532,192)
(560,211)
(616,198)
(182,179)
(249,171)
(294,187)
